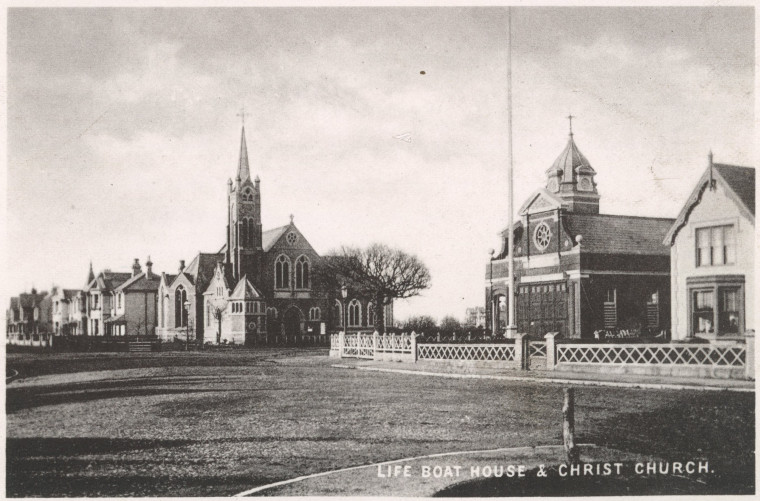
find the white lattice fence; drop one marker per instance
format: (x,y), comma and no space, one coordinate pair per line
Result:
(473,352)
(395,344)
(652,354)
(365,346)
(350,345)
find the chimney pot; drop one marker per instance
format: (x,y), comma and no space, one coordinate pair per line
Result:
(181,265)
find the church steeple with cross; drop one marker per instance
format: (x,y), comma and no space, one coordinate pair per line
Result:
(571,178)
(244,233)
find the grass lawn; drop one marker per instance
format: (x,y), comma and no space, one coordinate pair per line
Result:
(214,424)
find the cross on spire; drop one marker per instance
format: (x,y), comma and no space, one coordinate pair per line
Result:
(570,118)
(242,115)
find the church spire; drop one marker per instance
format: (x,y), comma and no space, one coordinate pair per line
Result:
(244,171)
(90,275)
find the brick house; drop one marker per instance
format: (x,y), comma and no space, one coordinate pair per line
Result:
(578,272)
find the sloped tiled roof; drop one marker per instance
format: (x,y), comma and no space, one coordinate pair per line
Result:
(69,294)
(169,278)
(615,234)
(245,290)
(569,160)
(201,269)
(739,183)
(141,282)
(109,280)
(270,237)
(741,180)
(29,300)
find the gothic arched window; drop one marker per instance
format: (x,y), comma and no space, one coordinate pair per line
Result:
(315,313)
(247,195)
(282,272)
(302,272)
(354,313)
(180,313)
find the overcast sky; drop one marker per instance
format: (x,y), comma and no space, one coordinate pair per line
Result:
(122,126)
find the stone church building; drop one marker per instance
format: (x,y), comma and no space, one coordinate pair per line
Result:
(258,288)
(578,272)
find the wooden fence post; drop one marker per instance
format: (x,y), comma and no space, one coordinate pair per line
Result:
(568,426)
(375,352)
(341,343)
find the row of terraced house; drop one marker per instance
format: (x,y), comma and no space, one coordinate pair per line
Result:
(259,287)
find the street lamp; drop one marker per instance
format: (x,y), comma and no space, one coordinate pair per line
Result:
(344,293)
(490,293)
(187,325)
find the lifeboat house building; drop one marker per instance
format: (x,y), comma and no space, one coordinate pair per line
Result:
(578,272)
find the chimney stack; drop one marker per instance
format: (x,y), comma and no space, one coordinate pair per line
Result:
(181,265)
(136,269)
(149,269)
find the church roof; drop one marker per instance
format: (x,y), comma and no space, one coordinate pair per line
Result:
(616,234)
(245,290)
(201,269)
(569,160)
(244,171)
(270,237)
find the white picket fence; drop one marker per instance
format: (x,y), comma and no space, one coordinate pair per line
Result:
(732,359)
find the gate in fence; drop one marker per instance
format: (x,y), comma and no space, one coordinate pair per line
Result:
(734,360)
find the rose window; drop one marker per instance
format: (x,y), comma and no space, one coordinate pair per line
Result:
(291,238)
(542,236)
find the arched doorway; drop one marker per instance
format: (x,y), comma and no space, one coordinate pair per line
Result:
(292,322)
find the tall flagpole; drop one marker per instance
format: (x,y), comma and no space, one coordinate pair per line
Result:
(511,328)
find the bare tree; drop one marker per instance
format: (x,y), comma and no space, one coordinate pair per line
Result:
(218,307)
(378,272)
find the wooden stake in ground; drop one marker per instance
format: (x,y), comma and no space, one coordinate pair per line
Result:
(568,426)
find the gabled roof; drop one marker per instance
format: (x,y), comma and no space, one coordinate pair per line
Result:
(140,282)
(270,237)
(69,294)
(109,280)
(551,201)
(201,269)
(245,290)
(168,278)
(741,180)
(225,277)
(29,300)
(615,234)
(739,183)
